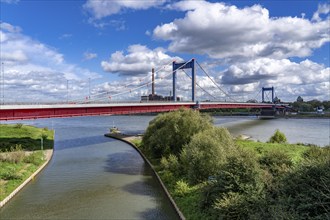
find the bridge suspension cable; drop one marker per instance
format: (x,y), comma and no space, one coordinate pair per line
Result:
(141,86)
(199,85)
(215,82)
(255,97)
(97,97)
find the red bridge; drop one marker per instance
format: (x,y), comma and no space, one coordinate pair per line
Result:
(17,112)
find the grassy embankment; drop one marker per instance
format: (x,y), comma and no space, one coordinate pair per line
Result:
(21,154)
(212,176)
(189,199)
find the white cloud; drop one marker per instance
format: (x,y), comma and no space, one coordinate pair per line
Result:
(138,60)
(222,31)
(89,56)
(290,79)
(322,9)
(103,8)
(36,72)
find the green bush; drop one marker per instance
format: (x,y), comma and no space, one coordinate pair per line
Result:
(238,191)
(278,137)
(205,154)
(276,161)
(35,158)
(10,174)
(307,190)
(170,164)
(169,132)
(181,188)
(18,125)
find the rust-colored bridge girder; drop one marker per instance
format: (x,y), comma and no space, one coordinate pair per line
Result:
(20,112)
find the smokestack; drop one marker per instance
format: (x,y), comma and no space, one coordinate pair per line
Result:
(153,81)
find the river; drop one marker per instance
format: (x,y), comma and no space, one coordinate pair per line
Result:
(94,177)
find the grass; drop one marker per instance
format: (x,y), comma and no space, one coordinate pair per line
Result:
(27,136)
(294,151)
(17,162)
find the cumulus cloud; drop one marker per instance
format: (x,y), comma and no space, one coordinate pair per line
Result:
(322,9)
(290,79)
(138,60)
(226,31)
(36,72)
(103,8)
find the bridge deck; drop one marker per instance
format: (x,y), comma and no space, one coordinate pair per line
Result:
(14,112)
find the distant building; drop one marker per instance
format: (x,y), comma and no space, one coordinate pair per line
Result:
(156,98)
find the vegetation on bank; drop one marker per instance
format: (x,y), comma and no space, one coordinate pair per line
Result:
(21,154)
(212,176)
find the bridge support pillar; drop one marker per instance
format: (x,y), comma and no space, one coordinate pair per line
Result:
(185,65)
(267,89)
(174,82)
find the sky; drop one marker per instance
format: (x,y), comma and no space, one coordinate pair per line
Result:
(103,50)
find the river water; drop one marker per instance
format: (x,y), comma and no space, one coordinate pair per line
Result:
(94,177)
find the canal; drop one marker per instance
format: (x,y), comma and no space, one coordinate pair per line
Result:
(93,177)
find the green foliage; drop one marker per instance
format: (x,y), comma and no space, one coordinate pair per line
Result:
(307,189)
(206,153)
(27,136)
(278,137)
(168,133)
(276,161)
(211,177)
(9,174)
(35,158)
(15,155)
(44,136)
(238,188)
(170,164)
(181,188)
(18,125)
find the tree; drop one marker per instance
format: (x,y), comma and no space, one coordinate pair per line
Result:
(278,137)
(205,153)
(300,99)
(168,133)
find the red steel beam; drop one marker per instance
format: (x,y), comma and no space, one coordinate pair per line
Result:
(54,112)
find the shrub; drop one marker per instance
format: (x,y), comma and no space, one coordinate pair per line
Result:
(171,164)
(278,137)
(15,155)
(238,190)
(181,188)
(276,162)
(18,125)
(169,132)
(307,190)
(205,153)
(10,174)
(35,158)
(44,136)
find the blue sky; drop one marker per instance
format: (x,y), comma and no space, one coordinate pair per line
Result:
(243,45)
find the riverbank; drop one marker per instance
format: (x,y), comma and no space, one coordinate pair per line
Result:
(24,152)
(188,197)
(14,185)
(132,140)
